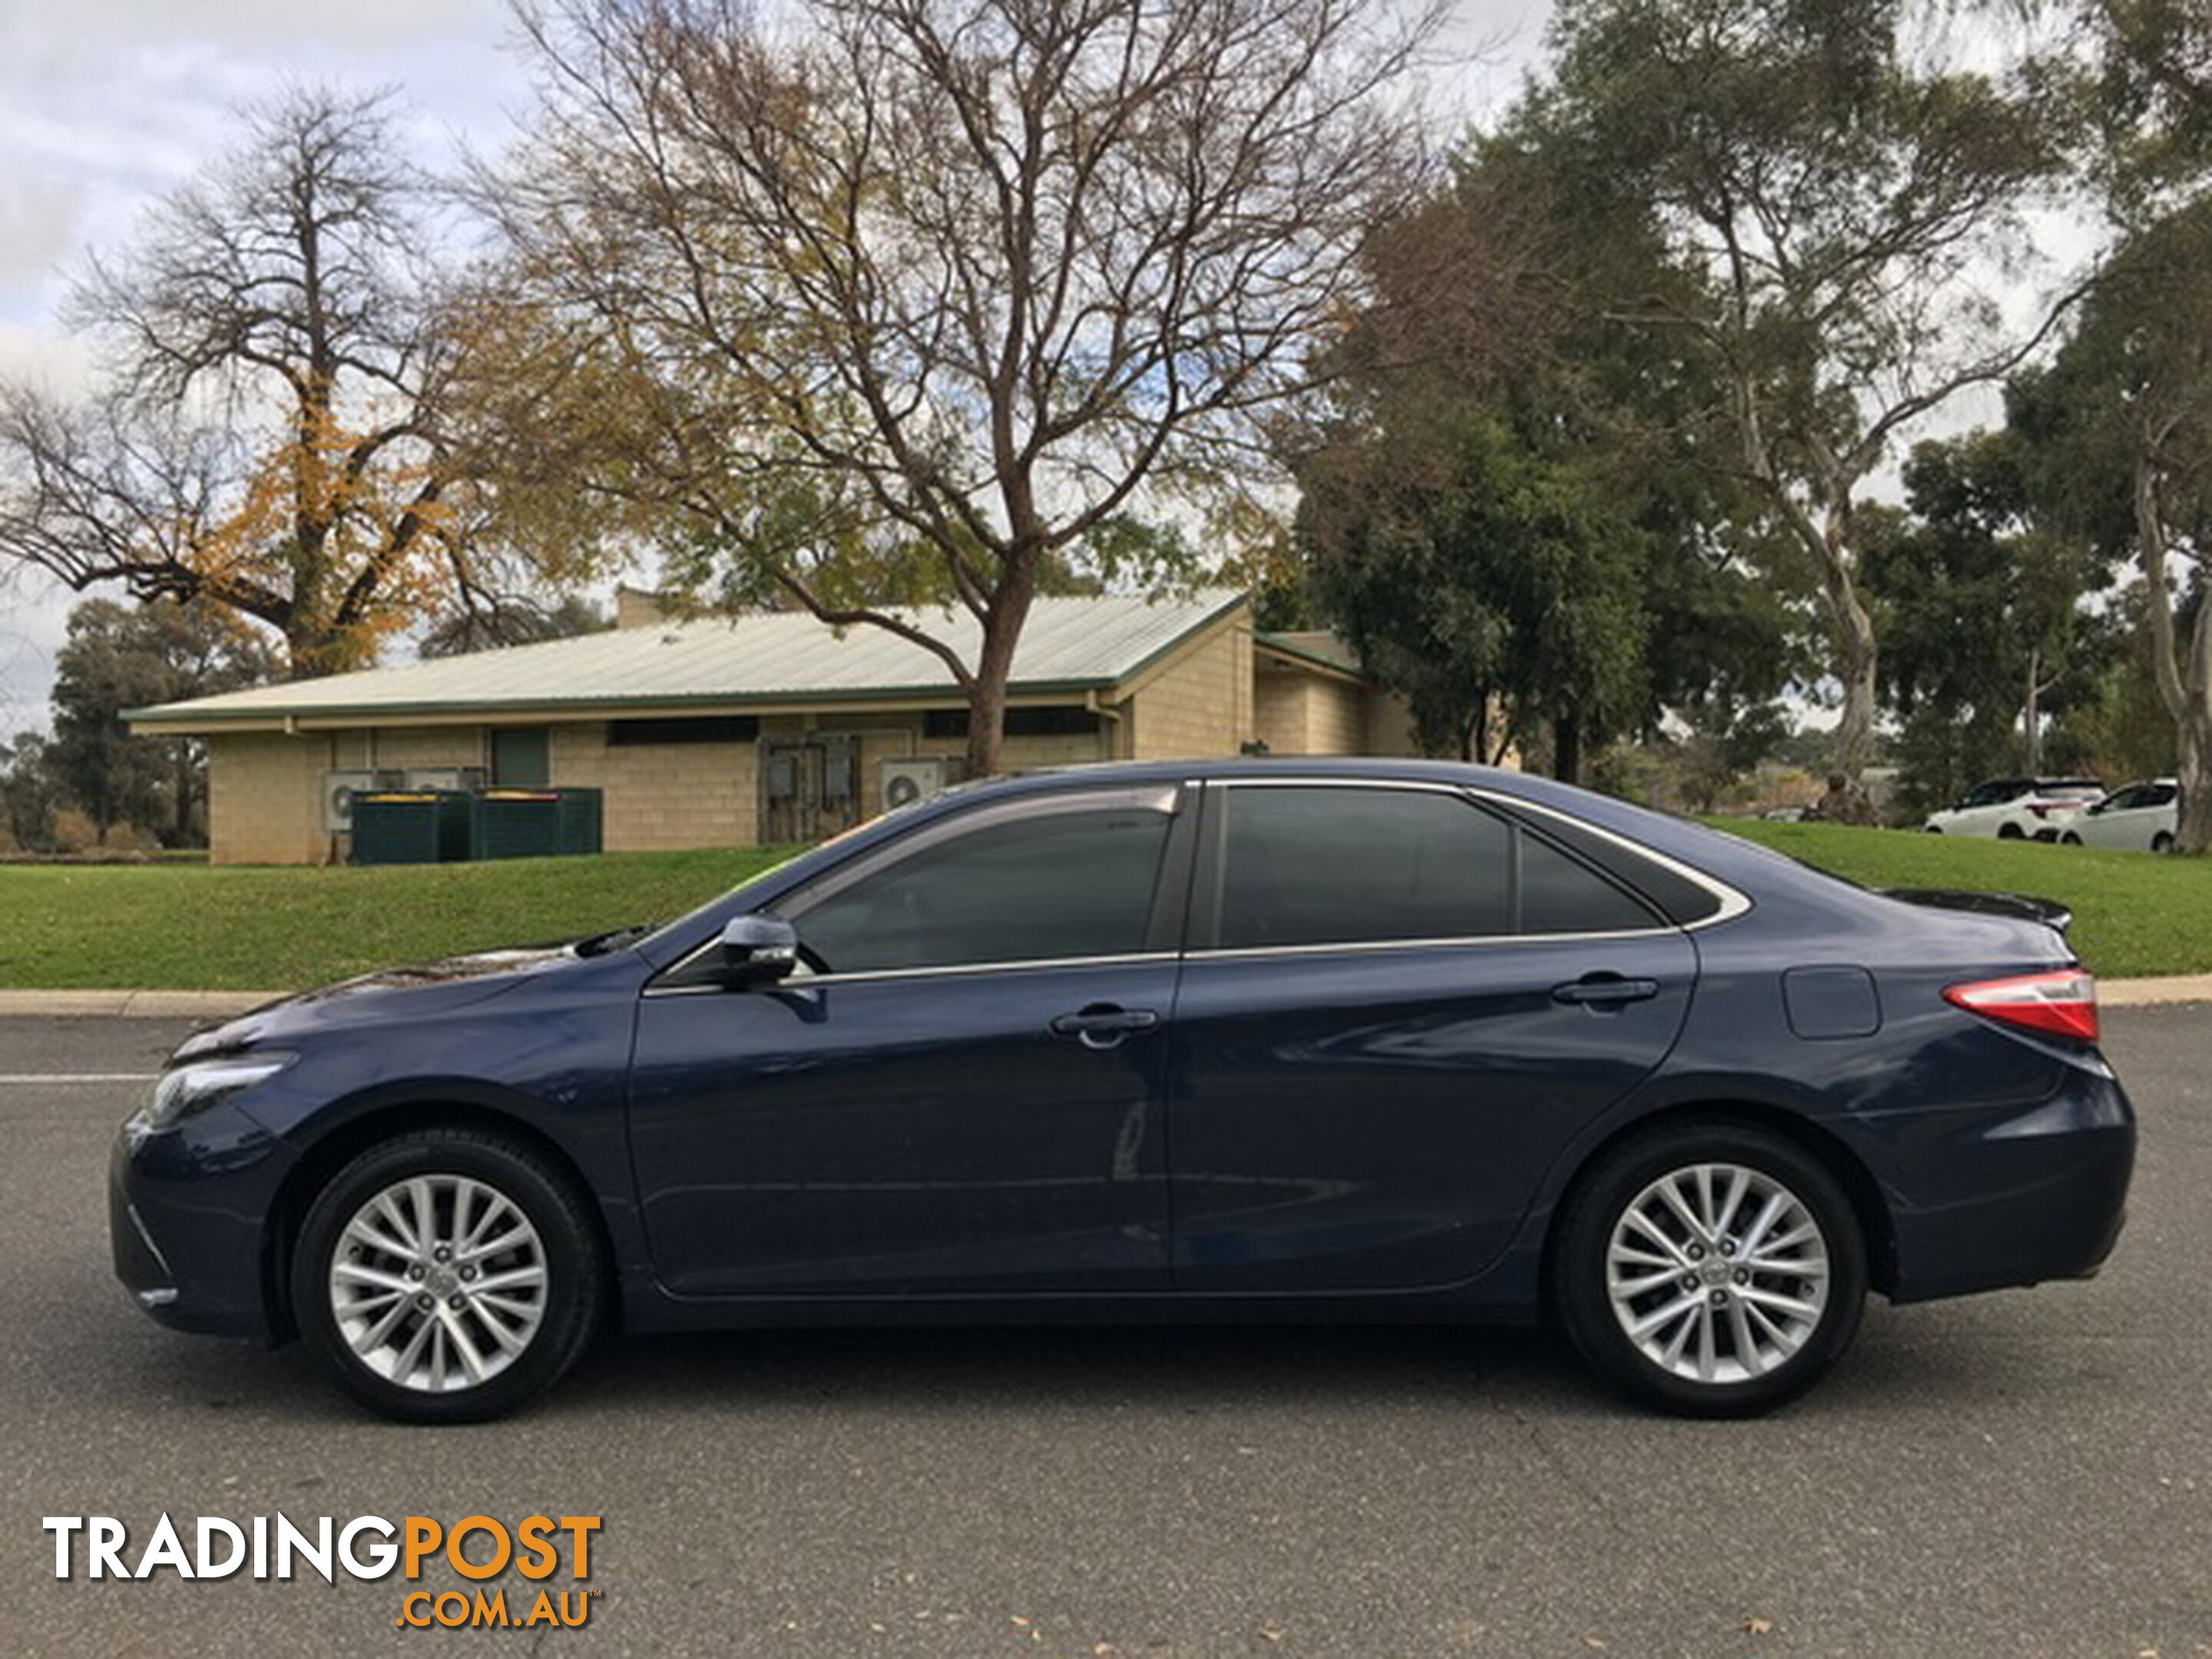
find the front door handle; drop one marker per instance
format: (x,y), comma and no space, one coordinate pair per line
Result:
(1103,1024)
(1605,991)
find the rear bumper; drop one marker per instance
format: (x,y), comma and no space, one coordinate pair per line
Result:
(2038,1195)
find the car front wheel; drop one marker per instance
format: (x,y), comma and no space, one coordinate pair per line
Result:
(447,1276)
(1711,1269)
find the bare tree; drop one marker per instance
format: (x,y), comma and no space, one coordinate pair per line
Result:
(268,433)
(900,301)
(1852,209)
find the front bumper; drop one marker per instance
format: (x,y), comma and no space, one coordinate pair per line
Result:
(2038,1195)
(186,1214)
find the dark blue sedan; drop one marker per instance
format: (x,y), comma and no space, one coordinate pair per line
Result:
(1204,1041)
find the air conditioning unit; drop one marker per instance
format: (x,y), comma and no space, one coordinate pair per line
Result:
(916,778)
(340,787)
(447,777)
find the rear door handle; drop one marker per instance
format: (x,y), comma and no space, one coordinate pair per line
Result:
(1103,1024)
(1605,991)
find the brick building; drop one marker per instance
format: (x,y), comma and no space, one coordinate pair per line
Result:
(729,731)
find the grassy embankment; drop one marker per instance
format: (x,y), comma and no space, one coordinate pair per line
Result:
(198,928)
(2135,913)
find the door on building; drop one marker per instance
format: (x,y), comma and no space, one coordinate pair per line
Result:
(810,786)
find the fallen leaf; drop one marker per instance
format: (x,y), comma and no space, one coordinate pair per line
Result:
(1758,1626)
(1592,1642)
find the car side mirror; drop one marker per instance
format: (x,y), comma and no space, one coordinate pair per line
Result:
(757,950)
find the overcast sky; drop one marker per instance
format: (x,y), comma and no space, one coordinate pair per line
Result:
(107,105)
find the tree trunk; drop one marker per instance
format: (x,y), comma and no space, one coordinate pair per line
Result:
(1855,651)
(1567,749)
(2185,685)
(986,695)
(2192,829)
(2031,719)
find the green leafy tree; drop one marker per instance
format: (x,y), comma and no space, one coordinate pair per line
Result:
(2128,400)
(1479,580)
(1982,599)
(1846,205)
(118,657)
(1491,361)
(29,794)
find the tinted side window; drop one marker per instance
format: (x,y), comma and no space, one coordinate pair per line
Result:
(1330,865)
(1074,883)
(1558,896)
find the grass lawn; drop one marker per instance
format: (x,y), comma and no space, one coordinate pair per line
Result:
(158,927)
(2135,913)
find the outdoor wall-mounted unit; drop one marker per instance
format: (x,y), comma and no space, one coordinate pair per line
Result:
(339,789)
(914,778)
(447,777)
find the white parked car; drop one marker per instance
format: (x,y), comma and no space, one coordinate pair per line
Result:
(2019,809)
(2139,817)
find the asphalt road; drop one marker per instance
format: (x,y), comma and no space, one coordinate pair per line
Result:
(2027,1474)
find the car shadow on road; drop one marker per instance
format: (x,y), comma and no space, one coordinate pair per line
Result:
(1908,1360)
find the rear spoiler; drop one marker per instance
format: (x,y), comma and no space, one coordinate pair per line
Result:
(2020,907)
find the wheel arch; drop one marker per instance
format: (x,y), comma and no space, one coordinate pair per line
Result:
(1833,1154)
(334,1151)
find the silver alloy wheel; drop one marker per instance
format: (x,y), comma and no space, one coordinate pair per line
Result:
(1717,1273)
(438,1283)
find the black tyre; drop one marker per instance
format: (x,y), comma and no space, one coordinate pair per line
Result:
(1935,829)
(447,1276)
(1710,1268)
(2011,832)
(2070,839)
(2161,843)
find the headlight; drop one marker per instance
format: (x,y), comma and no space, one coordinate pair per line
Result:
(198,1084)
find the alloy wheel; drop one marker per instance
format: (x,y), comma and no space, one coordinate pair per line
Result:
(438,1283)
(1717,1273)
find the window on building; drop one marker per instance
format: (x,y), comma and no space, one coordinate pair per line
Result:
(704,728)
(521,757)
(1052,720)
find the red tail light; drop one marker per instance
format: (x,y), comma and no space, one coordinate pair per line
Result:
(2063,1003)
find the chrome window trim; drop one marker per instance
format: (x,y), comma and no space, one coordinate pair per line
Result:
(1165,798)
(804,981)
(1484,941)
(1733,903)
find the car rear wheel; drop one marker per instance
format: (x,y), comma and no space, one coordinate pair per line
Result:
(2070,839)
(447,1276)
(1711,1269)
(2011,832)
(2161,843)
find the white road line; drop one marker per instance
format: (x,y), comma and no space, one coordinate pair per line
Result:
(77,1077)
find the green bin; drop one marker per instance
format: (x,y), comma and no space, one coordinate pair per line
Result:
(412,826)
(535,823)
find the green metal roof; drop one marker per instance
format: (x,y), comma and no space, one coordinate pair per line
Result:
(1067,645)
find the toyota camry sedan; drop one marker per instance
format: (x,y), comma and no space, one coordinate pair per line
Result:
(1258,1040)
